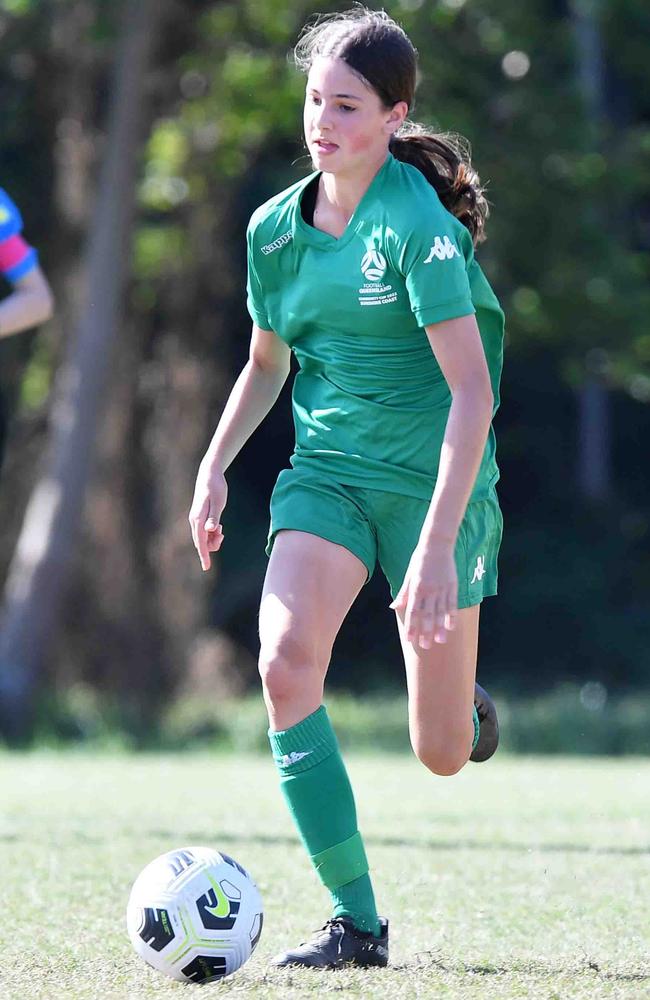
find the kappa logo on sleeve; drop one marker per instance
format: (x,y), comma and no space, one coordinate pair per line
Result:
(277,244)
(442,249)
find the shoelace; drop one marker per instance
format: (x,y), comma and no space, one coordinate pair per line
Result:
(481,710)
(332,922)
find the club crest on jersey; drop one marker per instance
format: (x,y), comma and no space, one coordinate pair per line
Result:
(442,249)
(375,292)
(373,265)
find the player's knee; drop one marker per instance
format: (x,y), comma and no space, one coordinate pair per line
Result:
(285,664)
(443,758)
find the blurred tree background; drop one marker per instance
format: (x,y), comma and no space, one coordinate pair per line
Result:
(553,96)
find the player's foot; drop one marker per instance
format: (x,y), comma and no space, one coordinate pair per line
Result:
(488,736)
(339,943)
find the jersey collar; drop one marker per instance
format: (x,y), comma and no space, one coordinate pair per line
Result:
(307,235)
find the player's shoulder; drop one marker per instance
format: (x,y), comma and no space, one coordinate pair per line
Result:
(10,219)
(418,218)
(412,197)
(274,219)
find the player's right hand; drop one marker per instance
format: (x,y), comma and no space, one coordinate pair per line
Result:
(210,495)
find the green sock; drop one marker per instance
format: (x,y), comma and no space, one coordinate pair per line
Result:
(317,790)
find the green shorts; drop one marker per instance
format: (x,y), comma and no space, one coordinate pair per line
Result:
(385,528)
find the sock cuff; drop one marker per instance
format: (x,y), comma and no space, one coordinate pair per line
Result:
(304,745)
(342,863)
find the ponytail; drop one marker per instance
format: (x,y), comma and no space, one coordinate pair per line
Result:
(445,161)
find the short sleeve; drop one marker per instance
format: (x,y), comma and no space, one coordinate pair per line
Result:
(254,293)
(11,222)
(17,258)
(435,268)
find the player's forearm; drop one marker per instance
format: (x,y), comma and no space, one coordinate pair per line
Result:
(23,309)
(462,449)
(252,396)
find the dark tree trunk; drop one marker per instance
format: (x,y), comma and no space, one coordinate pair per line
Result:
(594,438)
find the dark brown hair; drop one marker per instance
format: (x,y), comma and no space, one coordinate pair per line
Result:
(379,51)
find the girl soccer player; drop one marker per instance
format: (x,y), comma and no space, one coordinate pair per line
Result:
(365,269)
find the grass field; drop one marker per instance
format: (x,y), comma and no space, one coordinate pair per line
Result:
(517,878)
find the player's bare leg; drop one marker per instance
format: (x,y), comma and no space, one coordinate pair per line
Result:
(309,588)
(442,691)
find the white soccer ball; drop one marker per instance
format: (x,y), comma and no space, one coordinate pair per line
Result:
(194,914)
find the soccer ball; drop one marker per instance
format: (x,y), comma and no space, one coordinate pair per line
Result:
(194,914)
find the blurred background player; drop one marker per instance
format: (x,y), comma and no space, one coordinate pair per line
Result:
(30,302)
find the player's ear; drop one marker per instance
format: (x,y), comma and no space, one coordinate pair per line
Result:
(396,117)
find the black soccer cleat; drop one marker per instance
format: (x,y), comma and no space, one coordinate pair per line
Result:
(488,734)
(338,944)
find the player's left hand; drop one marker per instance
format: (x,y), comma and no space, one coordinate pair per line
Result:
(427,602)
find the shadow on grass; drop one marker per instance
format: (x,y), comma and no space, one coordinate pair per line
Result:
(542,969)
(280,840)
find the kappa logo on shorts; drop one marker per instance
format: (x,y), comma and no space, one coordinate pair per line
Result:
(442,249)
(479,570)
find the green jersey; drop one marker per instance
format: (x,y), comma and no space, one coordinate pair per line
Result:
(370,402)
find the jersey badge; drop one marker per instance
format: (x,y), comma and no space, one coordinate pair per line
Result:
(373,265)
(375,292)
